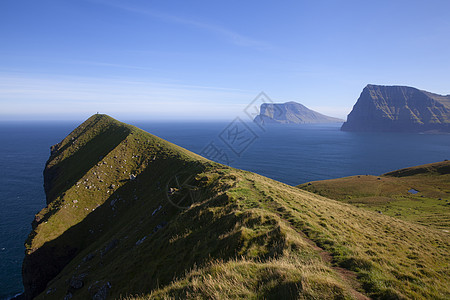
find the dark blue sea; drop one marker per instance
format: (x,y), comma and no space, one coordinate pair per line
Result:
(292,154)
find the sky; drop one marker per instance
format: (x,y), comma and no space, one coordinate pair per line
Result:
(207,60)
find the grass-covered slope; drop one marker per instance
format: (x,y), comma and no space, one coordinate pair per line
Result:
(224,233)
(419,194)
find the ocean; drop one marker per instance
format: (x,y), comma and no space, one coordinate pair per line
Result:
(292,154)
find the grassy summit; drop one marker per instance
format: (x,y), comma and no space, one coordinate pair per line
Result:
(130,215)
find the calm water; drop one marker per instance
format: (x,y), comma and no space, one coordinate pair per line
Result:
(290,154)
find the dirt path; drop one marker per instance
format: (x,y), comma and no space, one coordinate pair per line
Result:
(347,276)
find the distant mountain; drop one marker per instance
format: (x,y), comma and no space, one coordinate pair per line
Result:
(399,108)
(291,112)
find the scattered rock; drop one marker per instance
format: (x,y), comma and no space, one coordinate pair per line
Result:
(76,282)
(90,256)
(159,226)
(141,241)
(113,201)
(68,296)
(156,210)
(111,245)
(99,290)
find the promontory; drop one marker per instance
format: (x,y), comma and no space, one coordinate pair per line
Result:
(399,109)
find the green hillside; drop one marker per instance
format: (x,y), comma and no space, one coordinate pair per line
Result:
(419,194)
(133,216)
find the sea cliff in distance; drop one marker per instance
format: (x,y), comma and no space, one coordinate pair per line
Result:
(291,113)
(399,109)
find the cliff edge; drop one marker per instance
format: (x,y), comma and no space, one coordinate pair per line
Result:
(399,109)
(291,113)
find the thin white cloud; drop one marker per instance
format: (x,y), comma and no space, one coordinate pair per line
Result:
(25,95)
(106,64)
(231,36)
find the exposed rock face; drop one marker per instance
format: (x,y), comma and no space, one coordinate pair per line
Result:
(291,112)
(399,109)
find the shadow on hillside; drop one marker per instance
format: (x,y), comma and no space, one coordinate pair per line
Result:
(57,151)
(58,178)
(90,154)
(138,198)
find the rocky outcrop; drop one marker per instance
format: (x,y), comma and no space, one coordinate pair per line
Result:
(399,109)
(291,112)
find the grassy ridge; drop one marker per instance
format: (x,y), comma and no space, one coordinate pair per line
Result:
(244,236)
(390,193)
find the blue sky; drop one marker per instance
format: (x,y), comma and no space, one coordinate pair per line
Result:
(203,60)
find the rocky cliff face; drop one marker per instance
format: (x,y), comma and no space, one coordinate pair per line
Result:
(291,112)
(399,108)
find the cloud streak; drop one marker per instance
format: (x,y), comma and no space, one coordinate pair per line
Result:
(20,93)
(229,35)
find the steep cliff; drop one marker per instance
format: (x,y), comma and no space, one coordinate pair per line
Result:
(131,215)
(399,108)
(291,112)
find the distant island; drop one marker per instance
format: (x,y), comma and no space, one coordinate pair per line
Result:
(399,109)
(291,112)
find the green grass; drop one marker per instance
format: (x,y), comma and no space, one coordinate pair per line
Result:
(388,193)
(246,236)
